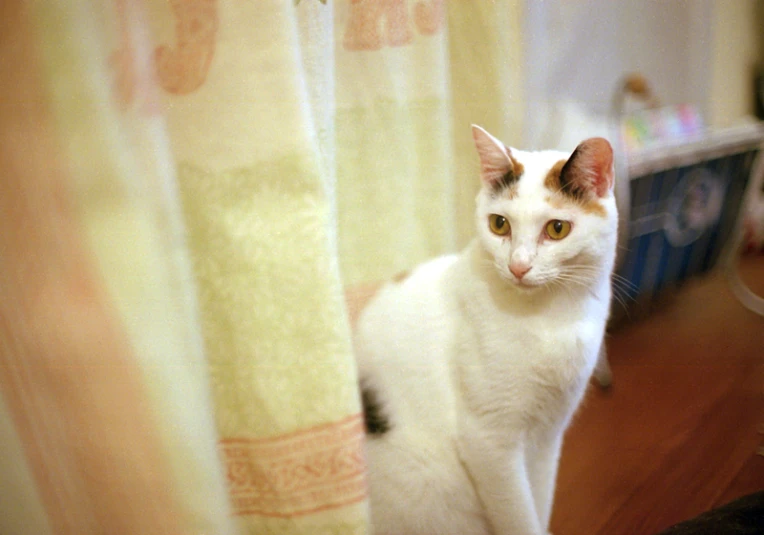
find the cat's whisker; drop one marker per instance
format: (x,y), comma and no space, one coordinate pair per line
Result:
(624,280)
(624,294)
(623,290)
(620,300)
(624,298)
(578,276)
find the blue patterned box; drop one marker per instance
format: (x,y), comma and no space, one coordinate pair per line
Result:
(685,200)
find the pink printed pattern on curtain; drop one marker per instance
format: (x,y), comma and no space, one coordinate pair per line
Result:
(178,70)
(255,210)
(301,473)
(366,16)
(184,68)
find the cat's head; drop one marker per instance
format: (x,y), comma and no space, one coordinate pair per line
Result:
(548,219)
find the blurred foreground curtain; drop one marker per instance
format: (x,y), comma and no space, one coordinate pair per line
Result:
(188,186)
(105,415)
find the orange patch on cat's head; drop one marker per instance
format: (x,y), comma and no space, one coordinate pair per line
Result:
(594,207)
(517,168)
(590,206)
(552,180)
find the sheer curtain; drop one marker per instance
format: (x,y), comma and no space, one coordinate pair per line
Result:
(411,78)
(105,406)
(198,181)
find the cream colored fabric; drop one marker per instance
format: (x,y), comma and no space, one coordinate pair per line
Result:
(411,78)
(247,88)
(117,143)
(394,164)
(487,80)
(234,165)
(21,509)
(102,371)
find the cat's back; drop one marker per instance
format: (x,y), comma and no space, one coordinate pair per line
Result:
(409,300)
(404,337)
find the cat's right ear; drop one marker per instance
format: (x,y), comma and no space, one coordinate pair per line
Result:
(589,170)
(495,160)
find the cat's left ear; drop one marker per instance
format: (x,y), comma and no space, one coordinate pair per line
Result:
(589,169)
(495,160)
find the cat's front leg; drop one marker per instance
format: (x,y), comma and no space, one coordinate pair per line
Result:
(502,484)
(543,461)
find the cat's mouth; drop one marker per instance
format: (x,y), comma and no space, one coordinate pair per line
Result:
(525,284)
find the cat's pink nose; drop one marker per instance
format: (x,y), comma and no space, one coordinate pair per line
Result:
(519,270)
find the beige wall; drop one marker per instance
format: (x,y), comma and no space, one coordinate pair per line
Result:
(737,49)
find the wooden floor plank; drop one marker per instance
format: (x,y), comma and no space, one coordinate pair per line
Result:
(677,434)
(747,481)
(685,470)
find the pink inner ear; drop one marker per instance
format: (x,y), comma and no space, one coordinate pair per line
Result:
(594,157)
(495,162)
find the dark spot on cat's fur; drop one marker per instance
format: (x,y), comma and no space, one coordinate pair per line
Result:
(375,419)
(560,179)
(569,180)
(510,178)
(504,183)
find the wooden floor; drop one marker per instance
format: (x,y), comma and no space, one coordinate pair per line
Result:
(679,430)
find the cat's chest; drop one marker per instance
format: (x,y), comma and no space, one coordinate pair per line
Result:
(519,338)
(529,369)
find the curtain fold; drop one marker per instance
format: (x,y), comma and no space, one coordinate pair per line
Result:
(101,369)
(486,58)
(249,108)
(394,166)
(229,167)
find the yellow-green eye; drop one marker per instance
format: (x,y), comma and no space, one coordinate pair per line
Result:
(557,229)
(499,225)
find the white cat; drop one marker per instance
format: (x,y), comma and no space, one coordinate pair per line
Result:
(472,367)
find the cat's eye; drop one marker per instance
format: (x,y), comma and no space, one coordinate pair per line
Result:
(499,225)
(557,229)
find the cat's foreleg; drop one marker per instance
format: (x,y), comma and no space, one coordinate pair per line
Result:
(543,462)
(602,372)
(502,484)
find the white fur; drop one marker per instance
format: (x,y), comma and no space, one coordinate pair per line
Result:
(480,376)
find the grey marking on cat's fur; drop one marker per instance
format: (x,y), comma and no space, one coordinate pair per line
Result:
(375,419)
